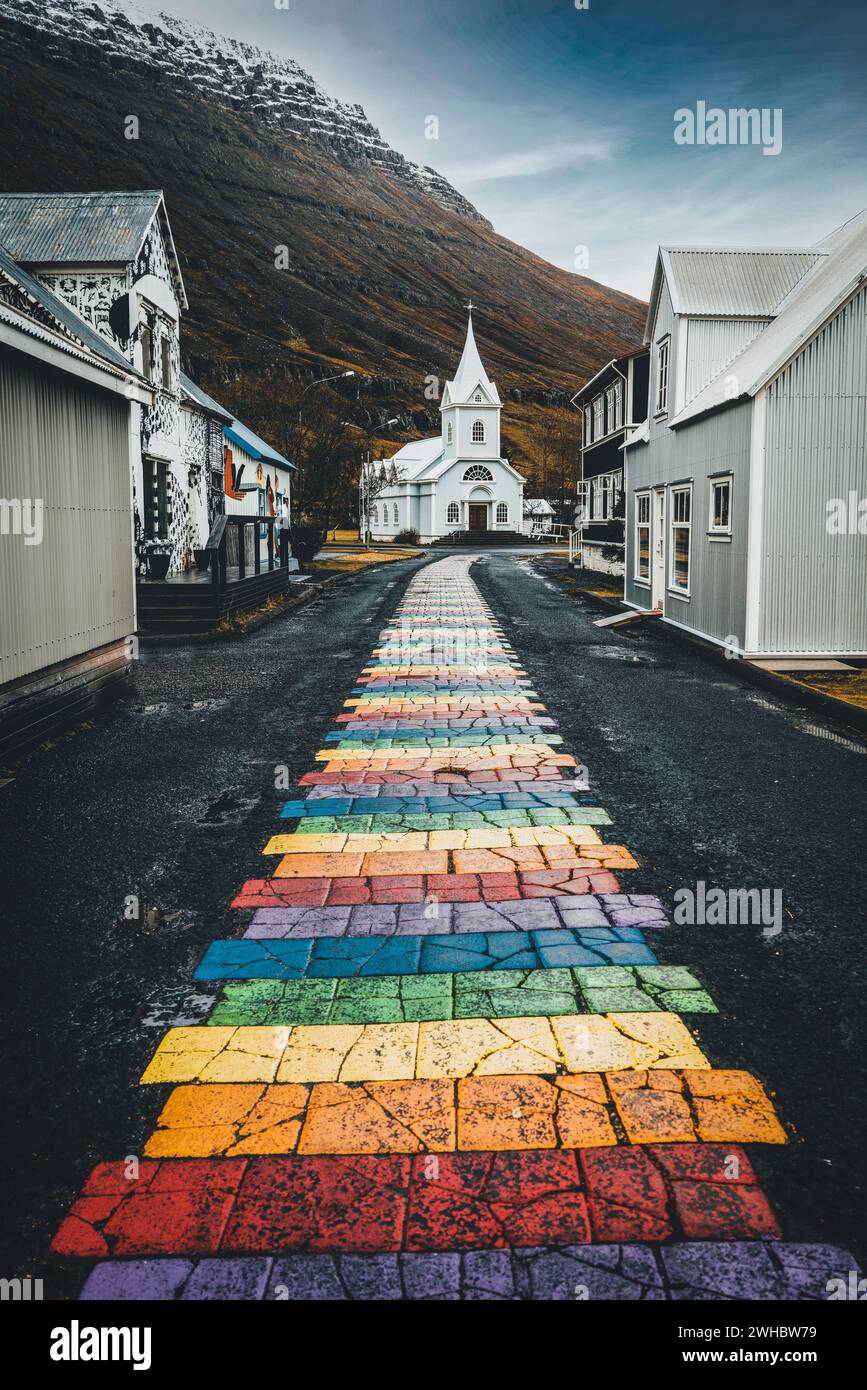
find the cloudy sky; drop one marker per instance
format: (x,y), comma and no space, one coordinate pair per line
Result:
(558,122)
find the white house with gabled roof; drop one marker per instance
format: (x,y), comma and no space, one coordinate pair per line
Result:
(458,480)
(746,487)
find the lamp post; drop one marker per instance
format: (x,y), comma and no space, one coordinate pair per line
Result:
(365,487)
(321,382)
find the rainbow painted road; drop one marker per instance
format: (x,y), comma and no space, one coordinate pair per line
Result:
(445,1061)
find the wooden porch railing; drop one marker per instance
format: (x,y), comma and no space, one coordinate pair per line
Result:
(217,546)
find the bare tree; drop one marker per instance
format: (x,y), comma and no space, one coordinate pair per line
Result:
(311,429)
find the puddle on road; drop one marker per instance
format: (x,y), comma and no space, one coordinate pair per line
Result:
(806,726)
(526,566)
(190,706)
(228,809)
(180,1007)
(817,731)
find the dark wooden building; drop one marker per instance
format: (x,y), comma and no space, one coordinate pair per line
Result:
(612,402)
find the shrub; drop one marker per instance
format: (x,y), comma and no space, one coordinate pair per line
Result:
(306,542)
(407,537)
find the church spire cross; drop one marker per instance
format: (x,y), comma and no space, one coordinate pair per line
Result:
(471,306)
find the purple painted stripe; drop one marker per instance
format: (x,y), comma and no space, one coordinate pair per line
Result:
(608,913)
(763,1270)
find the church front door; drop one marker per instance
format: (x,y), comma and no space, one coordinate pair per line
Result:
(478,516)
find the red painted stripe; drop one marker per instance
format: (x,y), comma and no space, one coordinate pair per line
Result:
(428,1202)
(418,888)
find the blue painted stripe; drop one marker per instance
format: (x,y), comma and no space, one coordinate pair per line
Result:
(328,956)
(421,805)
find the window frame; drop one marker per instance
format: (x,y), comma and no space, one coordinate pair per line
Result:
(487,475)
(453,520)
(146,339)
(166,373)
(607,486)
(720,533)
(618,404)
(501,520)
(610,410)
(679,490)
(588,425)
(638,526)
(479,425)
(599,416)
(450,432)
(155,488)
(663,375)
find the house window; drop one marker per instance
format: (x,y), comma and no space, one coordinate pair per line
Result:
(618,405)
(681,527)
(156,499)
(588,426)
(582,505)
(147,353)
(604,492)
(663,353)
(166,362)
(478,474)
(450,433)
(453,514)
(642,535)
(502,513)
(720,523)
(598,417)
(478,431)
(598,499)
(610,410)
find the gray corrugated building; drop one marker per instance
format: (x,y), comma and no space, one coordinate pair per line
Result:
(746,488)
(68,406)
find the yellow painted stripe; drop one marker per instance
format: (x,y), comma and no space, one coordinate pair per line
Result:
(403,1051)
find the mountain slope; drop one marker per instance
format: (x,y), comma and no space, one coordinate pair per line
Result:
(254,157)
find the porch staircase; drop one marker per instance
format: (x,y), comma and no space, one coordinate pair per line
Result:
(479,539)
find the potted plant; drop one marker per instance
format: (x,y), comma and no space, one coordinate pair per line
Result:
(203,560)
(159,554)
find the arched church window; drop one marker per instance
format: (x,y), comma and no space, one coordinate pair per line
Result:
(449,433)
(502,512)
(478,398)
(453,514)
(374,515)
(478,474)
(478,431)
(396,515)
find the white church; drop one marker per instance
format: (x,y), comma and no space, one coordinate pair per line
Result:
(456,481)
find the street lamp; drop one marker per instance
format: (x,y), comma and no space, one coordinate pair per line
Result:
(321,382)
(365,487)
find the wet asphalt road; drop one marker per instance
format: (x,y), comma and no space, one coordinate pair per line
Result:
(171,797)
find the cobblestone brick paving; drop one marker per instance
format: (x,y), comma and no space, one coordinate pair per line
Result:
(445,1062)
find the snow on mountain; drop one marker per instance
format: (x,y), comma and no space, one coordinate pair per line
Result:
(273,90)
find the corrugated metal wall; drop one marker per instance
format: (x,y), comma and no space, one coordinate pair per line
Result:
(814,584)
(716,607)
(67,443)
(711,343)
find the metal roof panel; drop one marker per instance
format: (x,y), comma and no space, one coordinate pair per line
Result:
(734,283)
(76,228)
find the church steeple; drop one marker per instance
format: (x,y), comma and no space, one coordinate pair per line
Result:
(470,407)
(471,371)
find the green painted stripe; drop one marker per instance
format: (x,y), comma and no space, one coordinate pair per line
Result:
(469,994)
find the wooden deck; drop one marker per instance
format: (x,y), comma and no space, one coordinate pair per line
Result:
(189,603)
